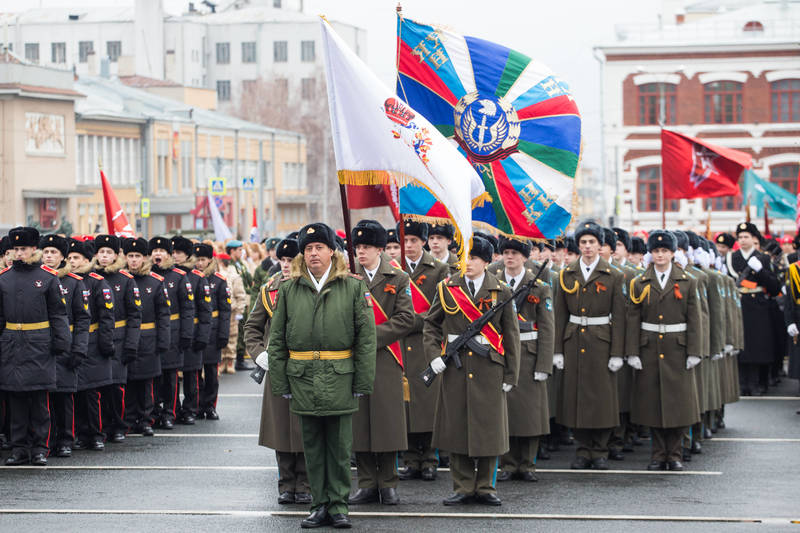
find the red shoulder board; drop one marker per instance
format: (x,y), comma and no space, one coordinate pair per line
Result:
(49,270)
(154,275)
(95,275)
(73,275)
(198,272)
(221,276)
(179,271)
(126,274)
(6,269)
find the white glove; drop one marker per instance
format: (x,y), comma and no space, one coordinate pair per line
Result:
(681,258)
(506,387)
(558,361)
(615,363)
(717,356)
(704,258)
(540,376)
(724,269)
(755,264)
(263,360)
(438,366)
(635,362)
(718,263)
(792,330)
(729,349)
(358,394)
(692,361)
(646,258)
(237,318)
(286,396)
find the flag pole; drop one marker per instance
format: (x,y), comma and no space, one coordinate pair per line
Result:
(401,231)
(661,179)
(346,217)
(708,220)
(766,217)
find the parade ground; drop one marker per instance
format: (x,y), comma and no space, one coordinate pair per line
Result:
(214,477)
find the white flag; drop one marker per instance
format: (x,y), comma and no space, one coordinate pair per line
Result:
(379,139)
(221,231)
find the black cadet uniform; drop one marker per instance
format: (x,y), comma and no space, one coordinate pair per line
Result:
(62,415)
(35,331)
(127,321)
(94,372)
(218,336)
(181,299)
(154,338)
(193,357)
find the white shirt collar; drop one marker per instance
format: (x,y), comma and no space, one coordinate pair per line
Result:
(478,282)
(747,255)
(622,262)
(319,284)
(371,273)
(517,279)
(416,262)
(587,270)
(660,275)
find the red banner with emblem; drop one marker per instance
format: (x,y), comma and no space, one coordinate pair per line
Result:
(380,318)
(467,306)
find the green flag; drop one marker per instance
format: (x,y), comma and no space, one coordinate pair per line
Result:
(782,203)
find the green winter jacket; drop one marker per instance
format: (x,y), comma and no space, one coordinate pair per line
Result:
(337,318)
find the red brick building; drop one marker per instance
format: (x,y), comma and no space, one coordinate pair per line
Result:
(732,78)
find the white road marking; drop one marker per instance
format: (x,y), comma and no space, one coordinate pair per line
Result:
(751,439)
(251,468)
(240,395)
(358,514)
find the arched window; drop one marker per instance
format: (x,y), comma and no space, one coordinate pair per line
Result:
(785,100)
(651,96)
(723,102)
(754,26)
(785,176)
(648,191)
(724,203)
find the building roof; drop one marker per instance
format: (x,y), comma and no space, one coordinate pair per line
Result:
(718,6)
(251,14)
(110,99)
(61,15)
(780,21)
(143,82)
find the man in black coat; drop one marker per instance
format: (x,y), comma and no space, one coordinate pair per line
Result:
(62,414)
(35,332)
(181,299)
(758,286)
(94,372)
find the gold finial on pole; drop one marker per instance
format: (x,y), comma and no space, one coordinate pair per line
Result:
(399,8)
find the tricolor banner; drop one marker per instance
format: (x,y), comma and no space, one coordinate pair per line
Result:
(511,117)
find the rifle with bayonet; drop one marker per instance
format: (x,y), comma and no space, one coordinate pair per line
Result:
(474,328)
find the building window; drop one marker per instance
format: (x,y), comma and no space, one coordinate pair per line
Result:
(785,101)
(195,55)
(276,3)
(753,26)
(223,90)
(186,165)
(84,49)
(724,203)
(723,102)
(785,176)
(307,88)
(80,164)
(223,53)
(249,87)
(280,51)
(294,177)
(113,50)
(648,188)
(307,51)
(58,52)
(651,98)
(162,152)
(249,52)
(32,52)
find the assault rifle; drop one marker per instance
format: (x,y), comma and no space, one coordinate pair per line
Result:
(475,327)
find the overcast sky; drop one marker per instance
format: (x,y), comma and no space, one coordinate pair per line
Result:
(561,33)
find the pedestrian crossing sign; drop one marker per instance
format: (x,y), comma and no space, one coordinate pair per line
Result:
(248,184)
(217,186)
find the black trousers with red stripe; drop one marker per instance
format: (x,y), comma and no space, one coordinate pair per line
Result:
(30,422)
(166,387)
(140,398)
(209,386)
(114,409)
(89,416)
(191,393)
(62,418)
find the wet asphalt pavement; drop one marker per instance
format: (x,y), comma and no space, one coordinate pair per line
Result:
(214,477)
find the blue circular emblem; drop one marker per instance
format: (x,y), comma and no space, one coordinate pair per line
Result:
(486,127)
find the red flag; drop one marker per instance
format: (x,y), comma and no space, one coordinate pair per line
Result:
(693,168)
(365,196)
(115,217)
(797,218)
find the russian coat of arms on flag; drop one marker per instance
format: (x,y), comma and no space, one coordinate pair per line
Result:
(511,117)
